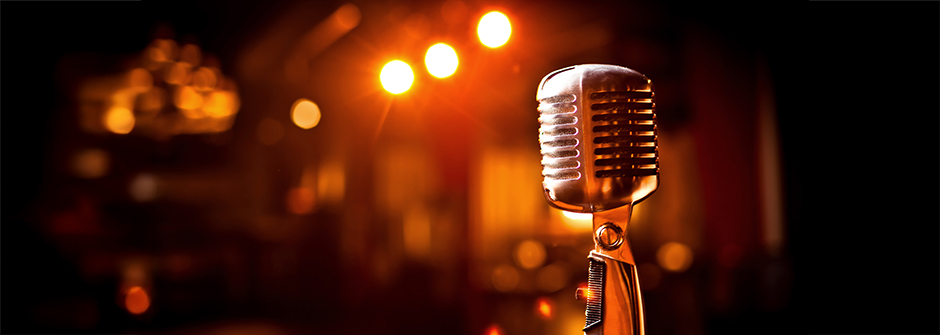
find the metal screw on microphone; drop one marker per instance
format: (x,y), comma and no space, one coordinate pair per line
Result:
(609,236)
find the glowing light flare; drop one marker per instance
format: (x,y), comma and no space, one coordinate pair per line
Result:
(586,292)
(300,200)
(119,120)
(530,254)
(674,257)
(493,330)
(494,29)
(136,300)
(305,113)
(441,60)
(578,221)
(544,308)
(397,77)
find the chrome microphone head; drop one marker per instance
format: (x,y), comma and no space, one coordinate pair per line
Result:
(598,137)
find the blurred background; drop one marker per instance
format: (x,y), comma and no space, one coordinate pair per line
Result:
(217,168)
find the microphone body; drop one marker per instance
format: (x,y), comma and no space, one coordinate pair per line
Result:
(600,156)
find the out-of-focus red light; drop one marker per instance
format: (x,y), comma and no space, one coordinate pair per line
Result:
(136,301)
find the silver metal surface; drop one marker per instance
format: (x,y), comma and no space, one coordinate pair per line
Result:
(600,155)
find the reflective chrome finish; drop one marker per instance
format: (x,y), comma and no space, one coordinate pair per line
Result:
(600,155)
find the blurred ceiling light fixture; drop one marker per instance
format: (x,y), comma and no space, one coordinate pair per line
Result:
(494,29)
(205,101)
(441,60)
(305,113)
(397,77)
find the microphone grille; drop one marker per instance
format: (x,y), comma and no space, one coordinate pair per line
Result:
(624,134)
(558,137)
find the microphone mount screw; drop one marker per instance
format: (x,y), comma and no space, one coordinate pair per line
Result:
(609,236)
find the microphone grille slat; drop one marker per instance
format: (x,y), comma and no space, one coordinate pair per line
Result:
(626,134)
(557,136)
(625,173)
(559,131)
(558,120)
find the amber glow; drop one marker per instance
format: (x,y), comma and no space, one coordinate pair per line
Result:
(441,60)
(119,120)
(505,278)
(493,330)
(544,308)
(674,256)
(417,231)
(204,79)
(136,301)
(397,77)
(300,200)
(578,221)
(187,98)
(494,29)
(305,113)
(191,54)
(91,163)
(530,254)
(139,80)
(551,278)
(180,73)
(220,104)
(586,292)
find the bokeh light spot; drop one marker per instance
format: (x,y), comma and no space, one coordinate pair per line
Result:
(674,257)
(187,98)
(544,307)
(305,113)
(90,163)
(494,29)
(505,278)
(119,120)
(144,187)
(441,60)
(530,254)
(397,77)
(136,301)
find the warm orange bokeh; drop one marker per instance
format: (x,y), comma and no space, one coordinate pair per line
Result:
(136,301)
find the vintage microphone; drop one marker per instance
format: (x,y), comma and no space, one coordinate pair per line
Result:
(600,156)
